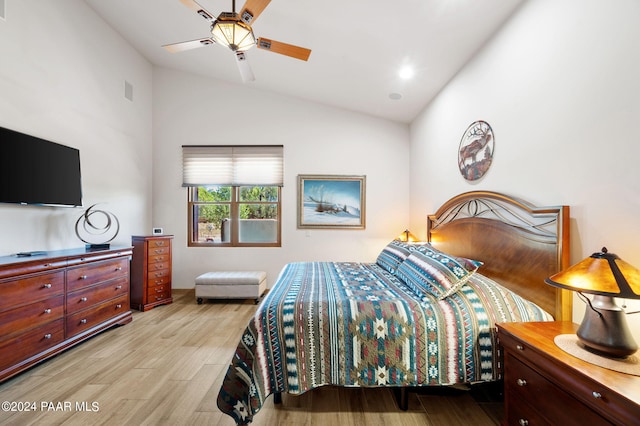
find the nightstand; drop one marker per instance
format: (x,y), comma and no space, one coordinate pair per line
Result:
(545,385)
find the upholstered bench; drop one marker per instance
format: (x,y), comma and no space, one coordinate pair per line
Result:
(231,285)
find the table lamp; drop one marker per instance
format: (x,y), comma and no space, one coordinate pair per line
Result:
(407,237)
(604,327)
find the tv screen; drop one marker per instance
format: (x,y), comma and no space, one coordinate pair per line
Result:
(37,171)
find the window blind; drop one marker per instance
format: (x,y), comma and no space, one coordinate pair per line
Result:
(232,165)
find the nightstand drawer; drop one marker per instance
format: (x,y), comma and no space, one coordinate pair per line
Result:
(562,389)
(522,383)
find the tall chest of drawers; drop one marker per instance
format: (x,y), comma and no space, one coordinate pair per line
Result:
(52,301)
(151,271)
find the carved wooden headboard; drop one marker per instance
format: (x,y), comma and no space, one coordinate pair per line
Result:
(520,244)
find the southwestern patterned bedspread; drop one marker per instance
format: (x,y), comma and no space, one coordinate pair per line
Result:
(358,324)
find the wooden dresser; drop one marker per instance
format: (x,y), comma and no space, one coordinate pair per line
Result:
(545,385)
(151,271)
(57,299)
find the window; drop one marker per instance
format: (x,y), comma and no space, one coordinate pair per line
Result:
(234,195)
(234,216)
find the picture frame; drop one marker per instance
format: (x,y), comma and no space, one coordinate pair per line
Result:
(331,202)
(475,152)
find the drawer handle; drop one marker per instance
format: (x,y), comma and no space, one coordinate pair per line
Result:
(159,243)
(119,268)
(596,395)
(118,306)
(521,382)
(46,265)
(47,336)
(520,347)
(523,422)
(83,277)
(47,311)
(83,299)
(159,290)
(83,321)
(118,287)
(47,285)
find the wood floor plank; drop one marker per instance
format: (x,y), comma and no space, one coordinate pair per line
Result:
(166,368)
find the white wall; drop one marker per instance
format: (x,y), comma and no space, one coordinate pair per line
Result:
(192,110)
(62,78)
(560,86)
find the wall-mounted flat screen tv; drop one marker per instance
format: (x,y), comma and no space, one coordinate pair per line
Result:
(37,171)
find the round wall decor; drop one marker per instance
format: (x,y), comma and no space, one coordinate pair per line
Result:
(476,150)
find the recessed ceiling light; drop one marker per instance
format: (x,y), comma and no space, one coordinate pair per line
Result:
(406,72)
(395,96)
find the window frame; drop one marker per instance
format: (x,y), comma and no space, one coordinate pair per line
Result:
(234,203)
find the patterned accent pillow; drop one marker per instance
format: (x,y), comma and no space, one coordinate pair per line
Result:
(393,255)
(468,264)
(434,272)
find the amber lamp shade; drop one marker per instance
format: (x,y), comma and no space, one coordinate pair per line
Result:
(604,327)
(407,237)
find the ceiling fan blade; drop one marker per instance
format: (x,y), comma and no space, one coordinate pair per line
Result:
(245,69)
(188,45)
(283,48)
(196,7)
(252,9)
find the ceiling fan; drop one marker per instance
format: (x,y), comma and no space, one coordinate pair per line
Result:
(234,31)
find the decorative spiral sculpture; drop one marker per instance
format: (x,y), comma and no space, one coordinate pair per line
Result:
(96,227)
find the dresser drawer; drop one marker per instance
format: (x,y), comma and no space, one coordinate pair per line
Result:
(159,243)
(87,319)
(156,290)
(164,278)
(31,267)
(161,266)
(157,296)
(159,258)
(100,271)
(26,290)
(158,250)
(29,316)
(94,295)
(25,345)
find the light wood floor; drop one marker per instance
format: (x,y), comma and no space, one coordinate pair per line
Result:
(166,367)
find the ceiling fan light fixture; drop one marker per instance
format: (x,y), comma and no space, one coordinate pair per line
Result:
(231,32)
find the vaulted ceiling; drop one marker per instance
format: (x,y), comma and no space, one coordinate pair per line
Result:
(358,46)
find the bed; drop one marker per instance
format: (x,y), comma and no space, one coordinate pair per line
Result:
(422,314)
